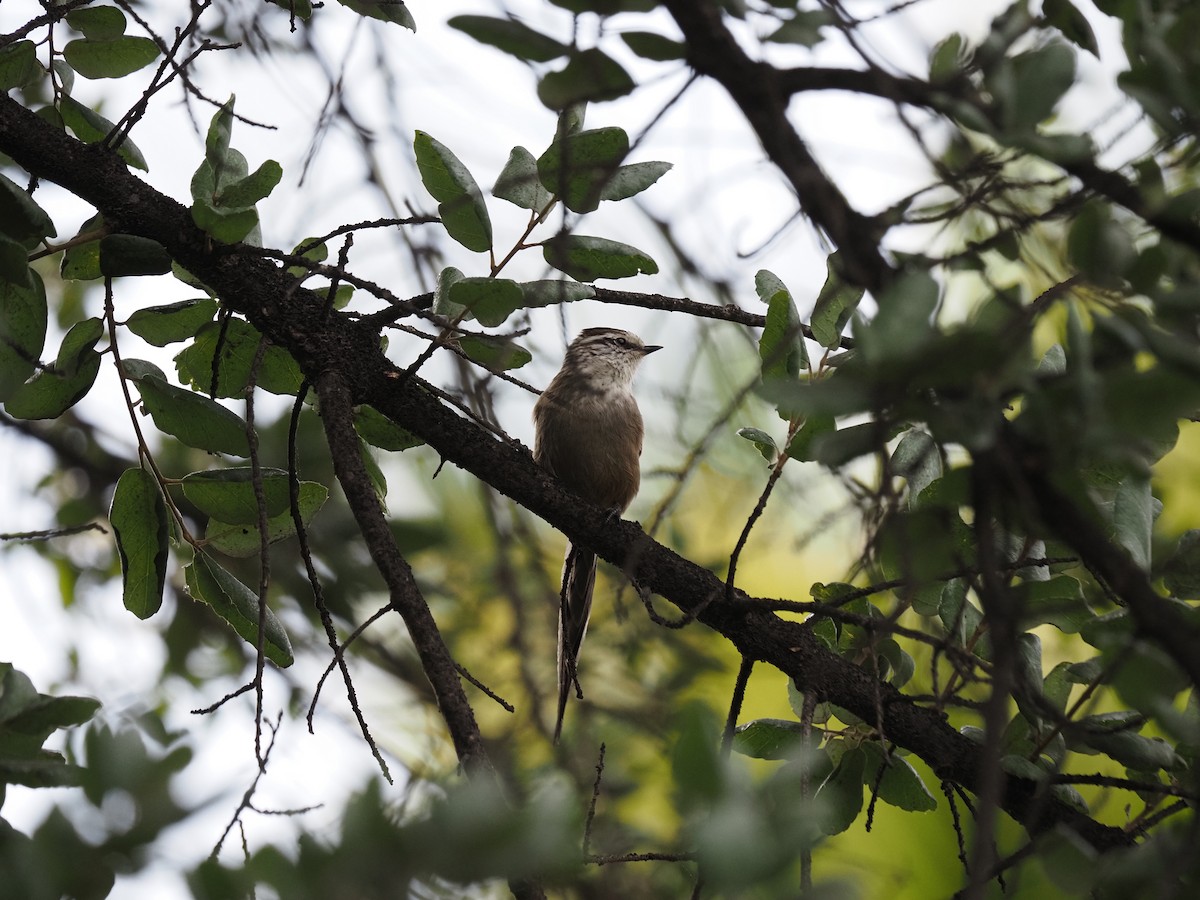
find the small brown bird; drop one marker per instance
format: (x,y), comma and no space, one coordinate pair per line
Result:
(589,434)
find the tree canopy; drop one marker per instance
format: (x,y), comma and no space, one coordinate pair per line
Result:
(916,568)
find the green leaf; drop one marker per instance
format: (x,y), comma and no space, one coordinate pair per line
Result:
(55,390)
(763,442)
(518,182)
(496,354)
(128,254)
(228,494)
(633,179)
(245,192)
(384,10)
(239,606)
(91,127)
(114,58)
(804,442)
(655,47)
(19,66)
(587,258)
(278,372)
(1058,601)
(379,431)
(228,224)
(81,261)
(781,347)
(216,140)
(139,519)
(1071,863)
(1181,574)
(918,460)
(511,36)
(552,291)
(902,328)
(14,263)
(460,202)
(804,28)
(589,76)
(243,540)
(1098,245)
(163,325)
(835,305)
(1066,17)
(100,23)
(769,739)
(840,796)
(900,785)
(490,300)
(577,168)
(195,420)
(1115,734)
(302,9)
(1039,78)
(442,304)
(20,216)
(23,320)
(1133,518)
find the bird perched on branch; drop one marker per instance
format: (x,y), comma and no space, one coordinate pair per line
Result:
(589,434)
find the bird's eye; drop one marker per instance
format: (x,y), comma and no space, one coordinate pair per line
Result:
(621,342)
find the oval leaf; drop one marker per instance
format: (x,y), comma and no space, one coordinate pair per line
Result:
(511,37)
(197,421)
(590,75)
(244,540)
(228,494)
(518,182)
(460,202)
(490,300)
(162,325)
(139,520)
(587,258)
(110,58)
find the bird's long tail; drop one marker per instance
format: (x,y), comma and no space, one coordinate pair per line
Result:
(575,605)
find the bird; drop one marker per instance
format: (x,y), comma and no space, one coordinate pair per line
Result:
(588,433)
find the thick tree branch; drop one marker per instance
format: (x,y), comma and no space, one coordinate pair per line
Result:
(758,92)
(322,345)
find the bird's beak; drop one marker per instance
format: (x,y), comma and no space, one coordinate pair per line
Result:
(650,348)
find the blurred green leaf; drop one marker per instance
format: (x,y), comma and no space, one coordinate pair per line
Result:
(393,11)
(763,442)
(511,36)
(589,75)
(835,304)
